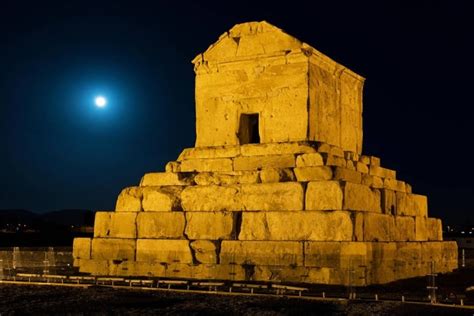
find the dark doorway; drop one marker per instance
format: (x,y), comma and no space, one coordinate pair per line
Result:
(248,129)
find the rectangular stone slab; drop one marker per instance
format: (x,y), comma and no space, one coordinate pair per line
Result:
(305,174)
(277,148)
(282,253)
(162,199)
(81,248)
(412,204)
(203,165)
(129,200)
(161,225)
(260,162)
(209,225)
(113,249)
(115,224)
(288,196)
(205,251)
(164,250)
(359,197)
(308,225)
(324,195)
(211,198)
(166,178)
(333,254)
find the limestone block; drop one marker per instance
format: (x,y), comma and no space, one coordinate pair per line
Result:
(261,162)
(324,195)
(336,254)
(362,167)
(372,181)
(358,224)
(412,204)
(205,271)
(305,174)
(173,167)
(166,178)
(378,171)
(408,188)
(115,224)
(309,225)
(94,267)
(161,225)
(205,165)
(378,227)
(403,229)
(288,196)
(350,165)
(211,198)
(389,202)
(276,175)
(227,178)
(281,253)
(364,159)
(81,248)
(345,174)
(164,250)
(205,251)
(129,200)
(374,161)
(137,268)
(309,160)
(331,160)
(162,199)
(209,225)
(209,152)
(394,185)
(359,197)
(428,229)
(276,149)
(113,249)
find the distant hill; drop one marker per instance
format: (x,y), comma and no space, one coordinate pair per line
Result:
(66,217)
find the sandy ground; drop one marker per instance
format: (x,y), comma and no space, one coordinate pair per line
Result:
(40,300)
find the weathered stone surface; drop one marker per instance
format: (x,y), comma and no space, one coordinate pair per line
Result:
(166,178)
(129,200)
(378,227)
(362,168)
(331,160)
(359,197)
(375,161)
(205,165)
(209,225)
(336,254)
(310,225)
(113,249)
(309,160)
(81,248)
(358,224)
(376,170)
(227,178)
(209,152)
(412,204)
(173,167)
(305,174)
(262,252)
(404,229)
(160,225)
(205,251)
(276,149)
(164,250)
(345,174)
(284,196)
(162,199)
(211,198)
(276,175)
(428,229)
(115,224)
(389,202)
(94,267)
(261,162)
(324,195)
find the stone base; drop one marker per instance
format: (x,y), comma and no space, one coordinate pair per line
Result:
(337,263)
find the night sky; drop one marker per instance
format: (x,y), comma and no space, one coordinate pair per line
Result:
(59,151)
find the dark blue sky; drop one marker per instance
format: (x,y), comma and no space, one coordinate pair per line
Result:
(59,151)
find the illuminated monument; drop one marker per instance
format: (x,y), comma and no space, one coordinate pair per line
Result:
(276,188)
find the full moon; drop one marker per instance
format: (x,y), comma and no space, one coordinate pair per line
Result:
(100,101)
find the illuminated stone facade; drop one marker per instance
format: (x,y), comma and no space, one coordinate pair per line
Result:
(277,188)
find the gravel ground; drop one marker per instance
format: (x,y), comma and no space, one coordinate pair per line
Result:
(47,300)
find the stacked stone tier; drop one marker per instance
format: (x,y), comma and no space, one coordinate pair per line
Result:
(298,211)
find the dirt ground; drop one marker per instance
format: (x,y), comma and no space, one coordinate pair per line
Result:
(41,300)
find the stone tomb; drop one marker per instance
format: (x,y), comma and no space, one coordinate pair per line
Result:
(276,189)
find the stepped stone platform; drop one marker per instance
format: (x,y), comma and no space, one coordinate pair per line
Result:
(276,189)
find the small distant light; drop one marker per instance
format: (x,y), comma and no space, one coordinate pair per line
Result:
(462,232)
(100,101)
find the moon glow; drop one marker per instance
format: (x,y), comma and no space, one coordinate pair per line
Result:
(100,101)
